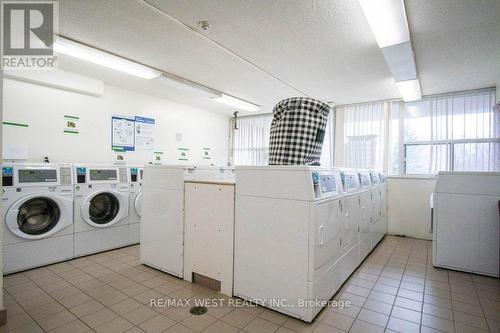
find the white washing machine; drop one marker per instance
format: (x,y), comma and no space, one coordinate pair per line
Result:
(37,204)
(134,176)
(296,239)
(101,209)
(162,219)
(367,220)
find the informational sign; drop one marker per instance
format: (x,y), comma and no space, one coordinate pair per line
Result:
(71,124)
(206,153)
(144,130)
(183,154)
(122,133)
(158,158)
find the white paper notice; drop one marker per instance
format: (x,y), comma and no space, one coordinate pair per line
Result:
(144,133)
(122,133)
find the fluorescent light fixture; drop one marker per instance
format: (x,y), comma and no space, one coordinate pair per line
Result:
(387,19)
(401,61)
(188,86)
(93,55)
(237,103)
(410,90)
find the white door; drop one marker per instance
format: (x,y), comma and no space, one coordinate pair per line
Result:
(329,231)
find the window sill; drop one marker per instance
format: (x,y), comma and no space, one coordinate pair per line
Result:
(411,177)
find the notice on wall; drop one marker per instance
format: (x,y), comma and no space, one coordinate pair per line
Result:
(71,124)
(183,154)
(158,158)
(144,130)
(206,153)
(122,133)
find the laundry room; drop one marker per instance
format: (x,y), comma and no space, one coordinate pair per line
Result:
(251,166)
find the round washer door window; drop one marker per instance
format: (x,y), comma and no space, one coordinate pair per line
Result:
(103,208)
(138,204)
(38,215)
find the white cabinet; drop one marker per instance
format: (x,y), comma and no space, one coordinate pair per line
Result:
(466,222)
(209,232)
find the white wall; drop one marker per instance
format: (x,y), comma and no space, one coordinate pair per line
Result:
(408,206)
(42,108)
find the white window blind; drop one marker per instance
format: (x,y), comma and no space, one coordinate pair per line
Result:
(251,141)
(364,136)
(458,132)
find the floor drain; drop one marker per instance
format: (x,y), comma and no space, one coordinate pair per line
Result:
(198,310)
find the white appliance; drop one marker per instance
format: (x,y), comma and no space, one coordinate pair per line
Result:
(466,222)
(134,176)
(162,219)
(209,233)
(37,204)
(367,218)
(101,208)
(296,236)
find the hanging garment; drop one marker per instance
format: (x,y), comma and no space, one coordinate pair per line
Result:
(297,131)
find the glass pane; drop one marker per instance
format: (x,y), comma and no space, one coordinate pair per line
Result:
(426,159)
(484,156)
(103,208)
(37,216)
(417,121)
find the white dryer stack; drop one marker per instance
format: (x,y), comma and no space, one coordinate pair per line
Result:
(101,208)
(162,219)
(37,203)
(134,175)
(295,243)
(466,222)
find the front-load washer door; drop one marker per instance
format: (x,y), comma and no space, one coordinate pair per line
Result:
(138,204)
(104,208)
(38,216)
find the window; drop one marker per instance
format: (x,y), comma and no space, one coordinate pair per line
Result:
(364,136)
(458,132)
(251,141)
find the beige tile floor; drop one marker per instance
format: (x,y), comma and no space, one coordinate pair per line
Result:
(395,289)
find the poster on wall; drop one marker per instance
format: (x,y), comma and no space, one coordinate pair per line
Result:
(144,130)
(183,154)
(122,133)
(206,153)
(71,124)
(158,158)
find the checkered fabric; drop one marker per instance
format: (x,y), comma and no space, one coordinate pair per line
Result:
(297,131)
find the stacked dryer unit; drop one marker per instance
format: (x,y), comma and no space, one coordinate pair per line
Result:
(162,219)
(134,174)
(101,208)
(318,225)
(37,204)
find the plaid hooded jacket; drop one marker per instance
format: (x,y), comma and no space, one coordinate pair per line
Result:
(297,131)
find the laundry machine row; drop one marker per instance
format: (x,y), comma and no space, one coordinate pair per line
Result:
(318,225)
(54,212)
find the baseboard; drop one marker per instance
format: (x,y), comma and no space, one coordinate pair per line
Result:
(3,317)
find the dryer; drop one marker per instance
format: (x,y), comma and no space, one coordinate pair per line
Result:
(101,208)
(37,206)
(297,214)
(366,206)
(134,177)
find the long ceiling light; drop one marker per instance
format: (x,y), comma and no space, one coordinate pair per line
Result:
(388,22)
(410,90)
(99,57)
(93,55)
(237,103)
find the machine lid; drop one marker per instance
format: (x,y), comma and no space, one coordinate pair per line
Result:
(37,216)
(103,208)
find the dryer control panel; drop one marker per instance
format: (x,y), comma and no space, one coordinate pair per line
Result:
(134,175)
(350,181)
(324,184)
